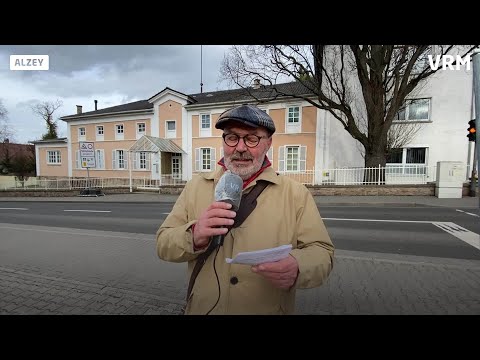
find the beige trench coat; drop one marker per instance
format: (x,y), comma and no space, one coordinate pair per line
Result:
(285,214)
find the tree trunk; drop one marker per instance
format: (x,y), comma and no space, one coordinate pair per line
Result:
(375,161)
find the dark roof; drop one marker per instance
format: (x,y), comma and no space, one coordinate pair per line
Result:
(137,105)
(222,96)
(264,92)
(64,139)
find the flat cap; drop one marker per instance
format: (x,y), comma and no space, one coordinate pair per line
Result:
(249,115)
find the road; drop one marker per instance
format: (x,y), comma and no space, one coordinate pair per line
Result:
(404,230)
(82,258)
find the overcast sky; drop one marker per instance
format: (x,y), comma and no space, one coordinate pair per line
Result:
(111,74)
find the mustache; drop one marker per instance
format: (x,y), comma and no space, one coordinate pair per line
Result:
(238,156)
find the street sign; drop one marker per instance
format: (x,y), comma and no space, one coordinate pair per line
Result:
(87,154)
(88,162)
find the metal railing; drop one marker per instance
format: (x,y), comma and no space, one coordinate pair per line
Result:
(388,175)
(94,183)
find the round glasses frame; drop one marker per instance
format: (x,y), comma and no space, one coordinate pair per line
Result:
(250,140)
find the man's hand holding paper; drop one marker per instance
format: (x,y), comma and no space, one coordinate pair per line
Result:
(275,264)
(282,273)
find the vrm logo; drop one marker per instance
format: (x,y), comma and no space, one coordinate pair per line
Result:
(448,60)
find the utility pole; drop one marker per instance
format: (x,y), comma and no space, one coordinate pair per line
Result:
(476,89)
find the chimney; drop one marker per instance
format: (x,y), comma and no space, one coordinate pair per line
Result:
(95,104)
(79,109)
(256,83)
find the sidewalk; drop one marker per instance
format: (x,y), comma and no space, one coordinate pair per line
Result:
(465,202)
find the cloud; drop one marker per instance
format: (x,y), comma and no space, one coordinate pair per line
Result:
(111,74)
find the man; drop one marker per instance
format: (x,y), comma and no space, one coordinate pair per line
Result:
(285,214)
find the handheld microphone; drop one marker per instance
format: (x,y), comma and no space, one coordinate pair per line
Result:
(229,190)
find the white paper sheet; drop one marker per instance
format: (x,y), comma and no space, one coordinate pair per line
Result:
(261,256)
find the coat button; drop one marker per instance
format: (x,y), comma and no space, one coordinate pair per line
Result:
(233,280)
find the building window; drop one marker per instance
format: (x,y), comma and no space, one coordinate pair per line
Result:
(414,110)
(407,161)
(293,122)
(118,159)
(171,129)
(141,129)
(292,158)
(141,160)
(82,132)
(99,133)
(119,132)
(176,166)
(54,157)
(100,158)
(204,159)
(205,125)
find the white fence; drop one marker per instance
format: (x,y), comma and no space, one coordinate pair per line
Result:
(389,175)
(93,183)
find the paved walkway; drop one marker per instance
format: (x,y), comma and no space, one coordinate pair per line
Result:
(469,202)
(61,271)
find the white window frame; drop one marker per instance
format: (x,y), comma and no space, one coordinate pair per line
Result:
(138,132)
(77,159)
(199,159)
(138,161)
(170,134)
(301,162)
(56,157)
(98,136)
(296,127)
(177,175)
(100,159)
(405,168)
(80,136)
(119,136)
(115,159)
(205,132)
(407,112)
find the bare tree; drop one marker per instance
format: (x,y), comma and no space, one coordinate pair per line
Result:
(46,110)
(345,80)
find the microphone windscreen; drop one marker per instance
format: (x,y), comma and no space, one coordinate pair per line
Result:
(229,189)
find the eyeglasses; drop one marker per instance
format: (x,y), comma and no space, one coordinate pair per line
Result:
(250,140)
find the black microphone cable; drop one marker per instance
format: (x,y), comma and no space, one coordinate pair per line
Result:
(218,281)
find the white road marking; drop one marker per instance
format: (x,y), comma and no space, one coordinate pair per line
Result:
(468,213)
(94,211)
(459,232)
(13,209)
(463,234)
(165,213)
(400,221)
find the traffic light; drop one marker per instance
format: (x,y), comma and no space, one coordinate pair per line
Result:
(472,131)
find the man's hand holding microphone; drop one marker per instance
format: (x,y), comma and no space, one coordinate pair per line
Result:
(213,222)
